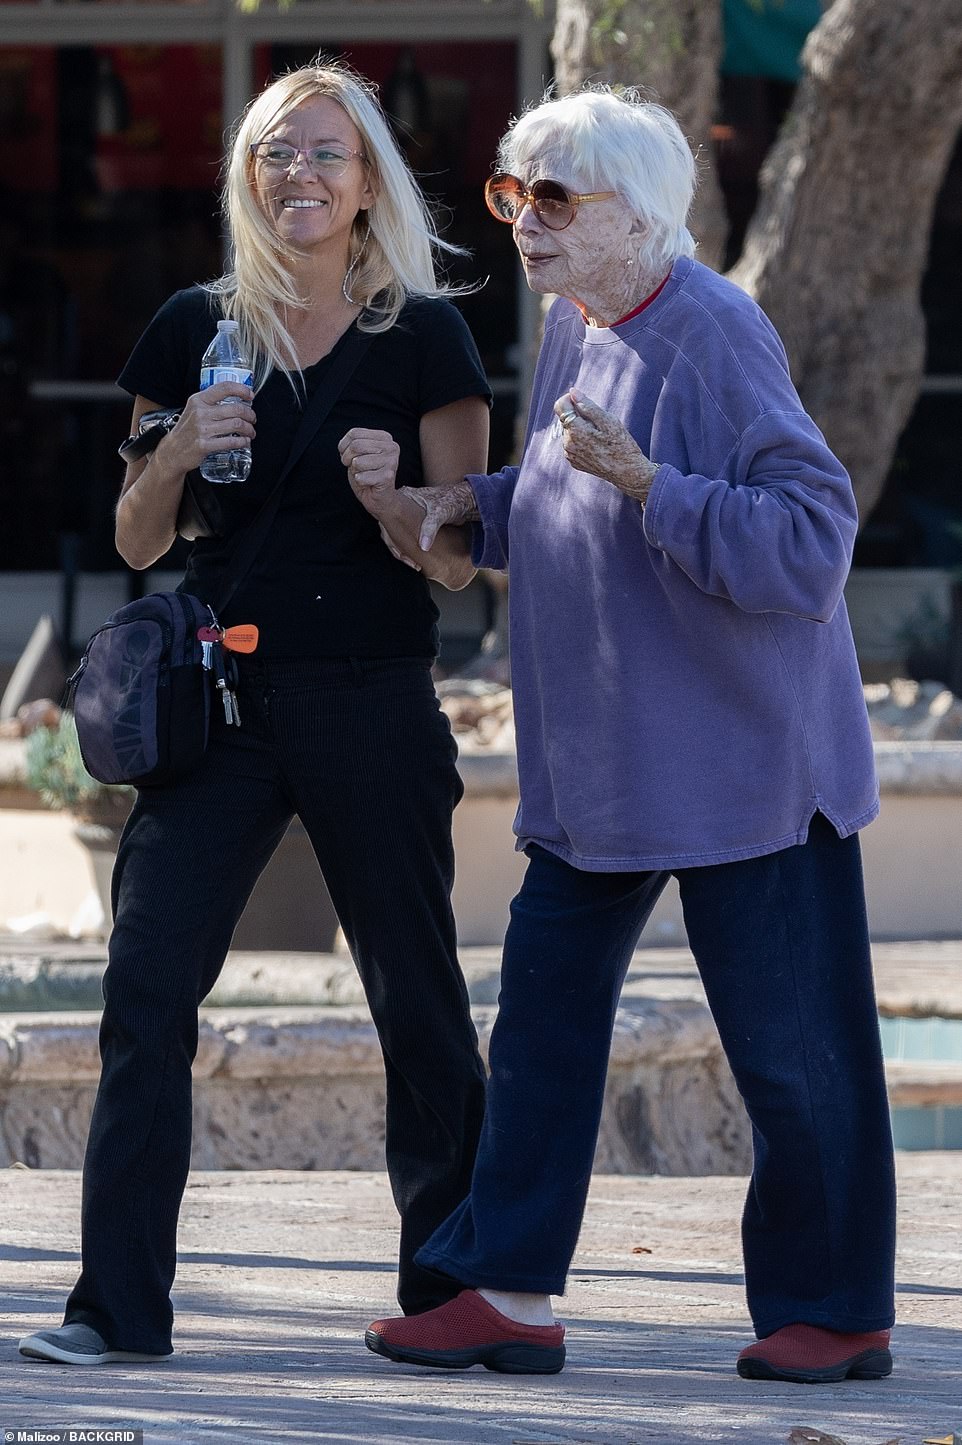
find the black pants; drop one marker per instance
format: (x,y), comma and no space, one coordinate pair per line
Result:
(361,752)
(782,946)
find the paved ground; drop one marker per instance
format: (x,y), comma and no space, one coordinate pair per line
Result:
(281,1271)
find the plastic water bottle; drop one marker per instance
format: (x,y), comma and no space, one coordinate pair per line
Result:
(225,361)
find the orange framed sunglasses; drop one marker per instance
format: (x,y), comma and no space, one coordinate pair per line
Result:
(554,205)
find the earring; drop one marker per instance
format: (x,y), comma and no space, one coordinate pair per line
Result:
(345,284)
(349,273)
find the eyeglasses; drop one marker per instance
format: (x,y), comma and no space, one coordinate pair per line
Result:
(554,206)
(326,160)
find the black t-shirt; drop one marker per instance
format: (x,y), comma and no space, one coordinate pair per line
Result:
(324,584)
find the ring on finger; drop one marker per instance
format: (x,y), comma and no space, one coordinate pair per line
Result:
(567,417)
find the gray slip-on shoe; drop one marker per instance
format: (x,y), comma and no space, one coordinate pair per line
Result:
(77,1344)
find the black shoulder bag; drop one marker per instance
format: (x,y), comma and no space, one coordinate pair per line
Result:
(142,693)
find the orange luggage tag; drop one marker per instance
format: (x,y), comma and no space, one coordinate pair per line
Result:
(242,638)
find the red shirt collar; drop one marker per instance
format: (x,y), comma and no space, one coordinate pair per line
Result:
(638,309)
(647,302)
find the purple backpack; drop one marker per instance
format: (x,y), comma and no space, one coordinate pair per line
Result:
(141,696)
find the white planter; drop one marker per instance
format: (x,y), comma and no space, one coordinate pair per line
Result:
(912,853)
(913,861)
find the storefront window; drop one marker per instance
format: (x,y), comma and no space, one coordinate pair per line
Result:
(107,200)
(110,157)
(918,520)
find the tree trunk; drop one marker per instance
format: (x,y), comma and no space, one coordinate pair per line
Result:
(839,242)
(669,48)
(838,245)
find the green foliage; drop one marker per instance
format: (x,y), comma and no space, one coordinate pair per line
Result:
(657,26)
(56,771)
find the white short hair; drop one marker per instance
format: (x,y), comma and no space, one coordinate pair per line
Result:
(617,141)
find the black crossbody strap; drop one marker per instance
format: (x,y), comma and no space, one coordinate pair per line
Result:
(315,414)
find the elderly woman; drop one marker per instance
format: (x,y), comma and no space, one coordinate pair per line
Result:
(688,703)
(333,251)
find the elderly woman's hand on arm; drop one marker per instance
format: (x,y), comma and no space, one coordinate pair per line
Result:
(596,442)
(421,526)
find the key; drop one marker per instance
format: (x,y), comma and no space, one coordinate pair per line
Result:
(230,670)
(225,676)
(230,705)
(213,642)
(208,637)
(220,680)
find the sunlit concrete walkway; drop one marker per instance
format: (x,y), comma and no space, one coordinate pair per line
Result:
(281,1271)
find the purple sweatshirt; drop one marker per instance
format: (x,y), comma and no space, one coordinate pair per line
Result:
(686,689)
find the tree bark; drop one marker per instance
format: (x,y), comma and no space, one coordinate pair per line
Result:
(671,49)
(838,245)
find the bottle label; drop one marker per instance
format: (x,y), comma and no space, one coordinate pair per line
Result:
(211,375)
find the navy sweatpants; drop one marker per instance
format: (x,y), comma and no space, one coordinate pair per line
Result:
(781,943)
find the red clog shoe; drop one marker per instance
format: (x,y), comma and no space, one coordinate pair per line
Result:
(809,1355)
(468,1331)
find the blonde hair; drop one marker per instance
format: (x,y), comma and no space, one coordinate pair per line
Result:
(614,140)
(394,242)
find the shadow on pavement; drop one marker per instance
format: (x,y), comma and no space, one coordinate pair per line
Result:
(310,1378)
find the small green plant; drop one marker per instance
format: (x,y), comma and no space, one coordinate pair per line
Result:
(56,771)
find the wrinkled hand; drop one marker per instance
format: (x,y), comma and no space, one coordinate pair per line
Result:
(218,419)
(597,443)
(450,505)
(439,506)
(409,518)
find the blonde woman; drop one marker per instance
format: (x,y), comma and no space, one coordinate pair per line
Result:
(340,723)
